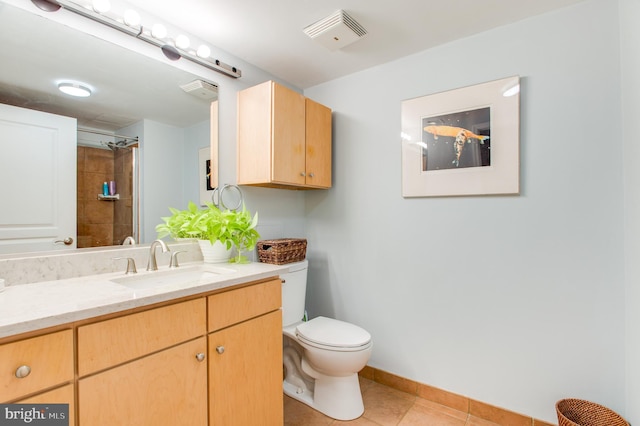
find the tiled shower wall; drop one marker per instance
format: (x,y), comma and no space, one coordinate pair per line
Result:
(103,223)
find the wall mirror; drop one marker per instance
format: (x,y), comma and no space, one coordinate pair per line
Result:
(127,87)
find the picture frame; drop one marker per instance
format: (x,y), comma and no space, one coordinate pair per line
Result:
(204,170)
(462,142)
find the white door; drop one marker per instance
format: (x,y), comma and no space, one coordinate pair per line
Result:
(37,180)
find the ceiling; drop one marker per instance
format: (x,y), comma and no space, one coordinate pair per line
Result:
(269,34)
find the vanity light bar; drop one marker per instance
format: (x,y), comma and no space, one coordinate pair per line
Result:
(170,51)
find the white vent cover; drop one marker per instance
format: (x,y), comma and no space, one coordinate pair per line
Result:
(336,31)
(201,89)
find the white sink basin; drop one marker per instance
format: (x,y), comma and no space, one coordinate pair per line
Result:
(179,277)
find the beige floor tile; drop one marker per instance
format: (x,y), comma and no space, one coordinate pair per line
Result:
(385,405)
(299,414)
(364,384)
(421,415)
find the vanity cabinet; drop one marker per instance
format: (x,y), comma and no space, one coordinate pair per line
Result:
(211,358)
(284,139)
(35,365)
(245,356)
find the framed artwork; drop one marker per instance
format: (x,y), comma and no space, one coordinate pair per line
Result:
(463,141)
(204,166)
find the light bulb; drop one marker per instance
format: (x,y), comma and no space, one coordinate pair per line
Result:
(159,31)
(203,51)
(131,18)
(182,41)
(101,6)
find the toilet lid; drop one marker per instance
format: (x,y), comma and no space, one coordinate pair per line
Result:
(332,332)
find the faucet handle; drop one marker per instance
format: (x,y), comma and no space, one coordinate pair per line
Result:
(174,259)
(131,265)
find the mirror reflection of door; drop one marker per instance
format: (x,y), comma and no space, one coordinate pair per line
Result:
(38,195)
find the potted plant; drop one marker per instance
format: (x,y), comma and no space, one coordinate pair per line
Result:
(179,225)
(214,229)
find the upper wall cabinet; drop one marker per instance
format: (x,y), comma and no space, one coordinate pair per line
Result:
(284,139)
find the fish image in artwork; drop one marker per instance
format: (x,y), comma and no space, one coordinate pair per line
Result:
(457,140)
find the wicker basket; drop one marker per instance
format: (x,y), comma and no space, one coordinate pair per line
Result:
(283,250)
(577,412)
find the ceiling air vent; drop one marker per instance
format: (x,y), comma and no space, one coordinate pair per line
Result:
(336,30)
(201,89)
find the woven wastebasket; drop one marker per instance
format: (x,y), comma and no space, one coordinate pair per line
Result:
(577,412)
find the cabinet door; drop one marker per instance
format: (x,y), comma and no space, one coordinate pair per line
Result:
(245,373)
(318,144)
(254,135)
(288,136)
(166,388)
(63,395)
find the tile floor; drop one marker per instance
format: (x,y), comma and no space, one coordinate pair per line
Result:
(384,406)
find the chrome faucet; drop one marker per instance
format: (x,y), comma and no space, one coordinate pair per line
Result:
(129,240)
(152,265)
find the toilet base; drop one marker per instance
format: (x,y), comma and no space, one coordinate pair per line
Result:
(337,397)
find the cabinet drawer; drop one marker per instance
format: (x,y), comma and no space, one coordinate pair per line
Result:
(111,342)
(49,358)
(239,305)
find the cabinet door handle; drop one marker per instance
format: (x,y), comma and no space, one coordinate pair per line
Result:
(23,371)
(200,356)
(220,349)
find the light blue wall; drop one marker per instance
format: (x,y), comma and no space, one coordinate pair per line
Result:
(630,40)
(161,174)
(517,301)
(196,137)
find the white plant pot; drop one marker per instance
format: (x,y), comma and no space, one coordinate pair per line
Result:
(214,253)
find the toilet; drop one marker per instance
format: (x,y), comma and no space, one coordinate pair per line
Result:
(321,356)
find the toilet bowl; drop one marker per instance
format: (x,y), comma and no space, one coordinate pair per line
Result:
(322,357)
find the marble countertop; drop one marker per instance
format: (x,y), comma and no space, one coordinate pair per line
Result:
(30,307)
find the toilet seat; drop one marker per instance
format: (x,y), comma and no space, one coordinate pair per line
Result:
(334,335)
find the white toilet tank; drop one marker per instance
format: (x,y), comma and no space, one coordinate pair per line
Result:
(294,290)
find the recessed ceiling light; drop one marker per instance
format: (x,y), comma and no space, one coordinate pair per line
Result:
(75,89)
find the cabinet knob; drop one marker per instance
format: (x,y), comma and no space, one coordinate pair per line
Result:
(220,349)
(23,371)
(303,174)
(310,174)
(200,356)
